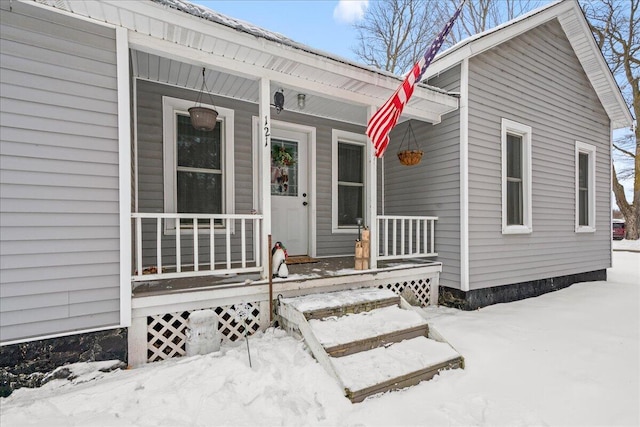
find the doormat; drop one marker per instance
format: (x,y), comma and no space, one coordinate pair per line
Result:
(303,259)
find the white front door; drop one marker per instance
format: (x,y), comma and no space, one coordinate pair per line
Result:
(289,190)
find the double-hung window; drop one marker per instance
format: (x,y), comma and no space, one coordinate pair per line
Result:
(348,169)
(198,165)
(516,178)
(585,161)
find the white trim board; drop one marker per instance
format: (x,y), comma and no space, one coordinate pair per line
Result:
(124,172)
(464,175)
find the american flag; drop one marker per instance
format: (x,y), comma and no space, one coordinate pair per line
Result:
(381,123)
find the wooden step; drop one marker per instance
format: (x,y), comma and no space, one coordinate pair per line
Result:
(319,306)
(350,334)
(394,367)
(368,339)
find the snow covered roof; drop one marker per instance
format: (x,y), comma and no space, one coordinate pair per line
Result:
(247,27)
(575,26)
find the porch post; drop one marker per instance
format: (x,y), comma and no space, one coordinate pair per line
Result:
(371,203)
(264,170)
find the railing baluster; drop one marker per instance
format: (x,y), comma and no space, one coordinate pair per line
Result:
(386,237)
(196,259)
(417,235)
(178,247)
(228,225)
(212,247)
(159,244)
(432,249)
(243,243)
(395,237)
(410,235)
(257,242)
(425,228)
(402,236)
(139,246)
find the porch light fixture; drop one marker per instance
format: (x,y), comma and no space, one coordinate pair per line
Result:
(302,100)
(203,118)
(278,100)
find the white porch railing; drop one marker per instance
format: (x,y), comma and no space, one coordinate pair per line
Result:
(406,236)
(156,233)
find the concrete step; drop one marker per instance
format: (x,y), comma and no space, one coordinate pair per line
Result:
(345,335)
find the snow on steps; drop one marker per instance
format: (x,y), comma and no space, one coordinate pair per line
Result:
(370,340)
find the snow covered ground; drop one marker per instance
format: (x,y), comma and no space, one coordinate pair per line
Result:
(626,245)
(568,358)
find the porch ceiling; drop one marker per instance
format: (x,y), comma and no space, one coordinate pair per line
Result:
(173,45)
(164,70)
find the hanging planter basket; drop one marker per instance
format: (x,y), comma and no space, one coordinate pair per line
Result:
(412,155)
(203,118)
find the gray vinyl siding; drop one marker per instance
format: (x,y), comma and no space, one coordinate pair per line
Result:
(59,196)
(536,80)
(431,187)
(150,169)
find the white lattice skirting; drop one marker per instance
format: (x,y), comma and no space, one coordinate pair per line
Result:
(418,290)
(166,333)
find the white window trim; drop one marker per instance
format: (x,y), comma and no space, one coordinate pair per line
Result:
(338,136)
(590,150)
(171,106)
(515,128)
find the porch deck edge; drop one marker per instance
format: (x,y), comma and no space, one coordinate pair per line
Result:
(195,298)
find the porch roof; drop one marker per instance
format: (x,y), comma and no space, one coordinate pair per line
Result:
(171,40)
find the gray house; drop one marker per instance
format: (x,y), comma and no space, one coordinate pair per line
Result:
(519,176)
(118,215)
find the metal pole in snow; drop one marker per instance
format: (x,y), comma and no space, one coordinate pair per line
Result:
(246,337)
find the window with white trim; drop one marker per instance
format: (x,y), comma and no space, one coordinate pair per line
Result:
(516,178)
(198,165)
(348,170)
(585,163)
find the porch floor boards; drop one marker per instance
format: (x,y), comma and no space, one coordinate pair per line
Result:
(324,267)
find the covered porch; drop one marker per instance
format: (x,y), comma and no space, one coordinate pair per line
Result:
(206,204)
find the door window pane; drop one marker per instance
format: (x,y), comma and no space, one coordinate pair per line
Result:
(284,168)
